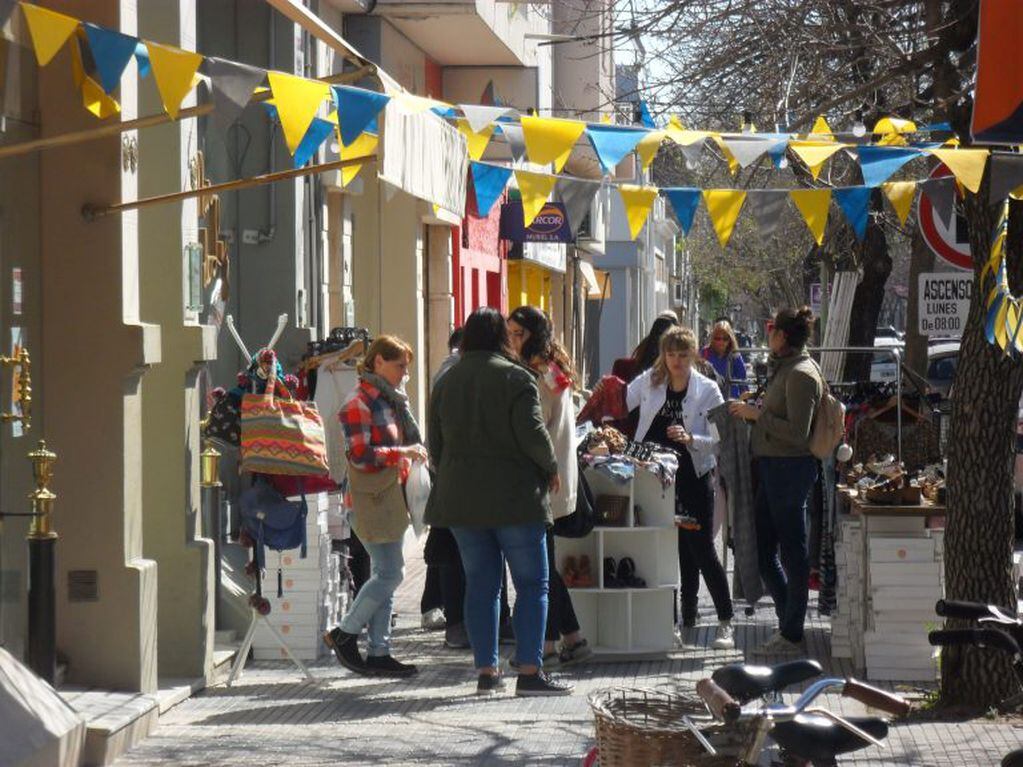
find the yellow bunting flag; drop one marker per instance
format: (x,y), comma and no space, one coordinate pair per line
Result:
(967,165)
(417,104)
(174,71)
(49,31)
(535,188)
(733,164)
(724,205)
(821,127)
(477,142)
(900,194)
(892,131)
(550,139)
(676,122)
(815,153)
(684,137)
(298,100)
(648,146)
(638,201)
(814,205)
(605,119)
(365,144)
(98,101)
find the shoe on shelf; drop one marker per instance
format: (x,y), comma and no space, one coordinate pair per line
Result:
(346,649)
(584,575)
(385,665)
(506,634)
(433,620)
(456,637)
(540,684)
(724,636)
(575,653)
(491,684)
(779,645)
(569,571)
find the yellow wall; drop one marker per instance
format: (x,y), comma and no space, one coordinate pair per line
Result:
(529,285)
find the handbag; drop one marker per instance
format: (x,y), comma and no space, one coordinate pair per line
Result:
(580,522)
(379,511)
(224,424)
(272,521)
(281,436)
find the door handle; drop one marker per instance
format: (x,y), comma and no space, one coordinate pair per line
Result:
(23,387)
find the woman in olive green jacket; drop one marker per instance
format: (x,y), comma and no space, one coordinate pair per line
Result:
(495,466)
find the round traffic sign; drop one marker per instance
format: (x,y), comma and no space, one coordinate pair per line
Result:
(950,240)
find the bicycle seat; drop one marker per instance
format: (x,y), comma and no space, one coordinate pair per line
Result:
(745,682)
(816,737)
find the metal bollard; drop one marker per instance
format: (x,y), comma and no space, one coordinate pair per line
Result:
(42,545)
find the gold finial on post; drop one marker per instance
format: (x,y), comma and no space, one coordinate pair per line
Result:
(42,497)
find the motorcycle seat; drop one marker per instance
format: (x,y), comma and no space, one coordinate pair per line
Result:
(744,682)
(815,737)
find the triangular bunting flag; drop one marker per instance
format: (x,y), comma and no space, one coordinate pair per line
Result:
(638,201)
(967,165)
(577,197)
(748,149)
(693,153)
(297,101)
(648,146)
(724,205)
(480,117)
(550,139)
(417,104)
(364,146)
(142,62)
(900,194)
(815,153)
(684,137)
(476,142)
(613,142)
(173,70)
(645,118)
(319,131)
(356,109)
(232,86)
(516,141)
(489,182)
(821,127)
(96,100)
(733,164)
(814,205)
(684,201)
(778,152)
(535,188)
(111,51)
(1006,175)
(879,163)
(855,204)
(49,31)
(942,193)
(767,205)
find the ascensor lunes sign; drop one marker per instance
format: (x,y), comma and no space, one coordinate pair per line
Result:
(550,224)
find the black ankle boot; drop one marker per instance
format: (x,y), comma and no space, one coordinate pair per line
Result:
(385,665)
(346,649)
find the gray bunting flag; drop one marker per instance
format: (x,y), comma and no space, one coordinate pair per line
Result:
(748,149)
(693,152)
(577,196)
(479,117)
(233,84)
(516,140)
(767,205)
(1006,175)
(942,194)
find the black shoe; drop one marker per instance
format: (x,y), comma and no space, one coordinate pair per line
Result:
(456,637)
(385,665)
(540,684)
(346,649)
(491,684)
(506,634)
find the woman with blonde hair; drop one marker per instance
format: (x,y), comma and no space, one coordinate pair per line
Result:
(719,352)
(674,399)
(382,440)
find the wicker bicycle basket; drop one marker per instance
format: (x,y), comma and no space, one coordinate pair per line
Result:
(644,728)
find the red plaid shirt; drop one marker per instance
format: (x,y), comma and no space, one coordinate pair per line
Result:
(372,432)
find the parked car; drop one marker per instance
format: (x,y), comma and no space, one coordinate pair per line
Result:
(941,366)
(882,366)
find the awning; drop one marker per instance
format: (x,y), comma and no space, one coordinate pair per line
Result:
(595,285)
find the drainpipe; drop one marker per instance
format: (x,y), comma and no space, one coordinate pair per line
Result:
(267,234)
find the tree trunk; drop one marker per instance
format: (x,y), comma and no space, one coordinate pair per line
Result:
(921,260)
(979,533)
(876,265)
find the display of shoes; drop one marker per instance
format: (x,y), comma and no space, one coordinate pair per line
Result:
(584,575)
(626,575)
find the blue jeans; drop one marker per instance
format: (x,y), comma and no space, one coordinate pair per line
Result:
(780,512)
(372,607)
(484,551)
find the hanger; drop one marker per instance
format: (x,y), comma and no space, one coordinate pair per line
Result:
(891,404)
(330,359)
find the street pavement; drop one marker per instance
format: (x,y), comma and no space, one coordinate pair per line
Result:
(272,716)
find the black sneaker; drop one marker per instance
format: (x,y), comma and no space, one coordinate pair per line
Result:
(540,684)
(491,684)
(385,665)
(346,649)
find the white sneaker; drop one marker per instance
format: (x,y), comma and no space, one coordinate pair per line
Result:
(433,620)
(779,645)
(724,637)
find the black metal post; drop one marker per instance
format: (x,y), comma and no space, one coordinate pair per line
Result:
(42,607)
(213,527)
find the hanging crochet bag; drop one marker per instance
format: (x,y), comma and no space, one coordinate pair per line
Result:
(281,436)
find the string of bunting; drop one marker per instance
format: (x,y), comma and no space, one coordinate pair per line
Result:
(99,57)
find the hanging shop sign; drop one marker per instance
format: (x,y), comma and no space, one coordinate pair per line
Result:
(944,302)
(948,238)
(550,255)
(550,225)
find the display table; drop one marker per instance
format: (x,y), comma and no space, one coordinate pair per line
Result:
(889,562)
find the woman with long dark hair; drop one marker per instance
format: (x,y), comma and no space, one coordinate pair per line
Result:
(532,339)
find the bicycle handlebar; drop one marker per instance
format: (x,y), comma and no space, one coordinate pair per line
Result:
(977,637)
(875,698)
(718,701)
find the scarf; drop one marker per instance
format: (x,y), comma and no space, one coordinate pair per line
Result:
(399,401)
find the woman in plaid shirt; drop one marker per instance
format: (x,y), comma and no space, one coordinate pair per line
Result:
(380,436)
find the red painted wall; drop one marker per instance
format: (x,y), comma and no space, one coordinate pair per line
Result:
(479,263)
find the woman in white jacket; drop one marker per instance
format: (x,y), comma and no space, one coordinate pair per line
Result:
(673,401)
(532,339)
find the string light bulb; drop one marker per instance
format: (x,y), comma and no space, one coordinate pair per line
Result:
(859,130)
